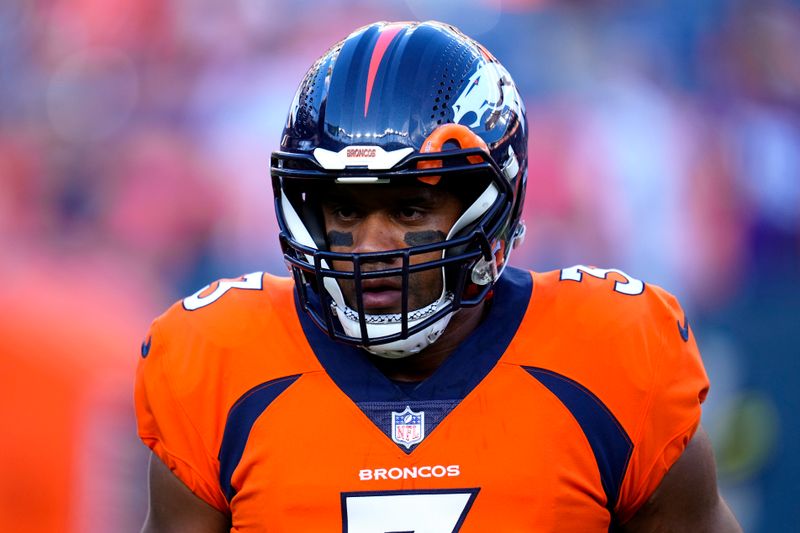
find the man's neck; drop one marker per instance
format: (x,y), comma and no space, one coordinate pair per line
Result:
(421,365)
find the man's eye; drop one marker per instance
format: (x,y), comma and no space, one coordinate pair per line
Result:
(345,212)
(409,213)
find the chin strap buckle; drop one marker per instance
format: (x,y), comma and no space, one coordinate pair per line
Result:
(519,235)
(484,272)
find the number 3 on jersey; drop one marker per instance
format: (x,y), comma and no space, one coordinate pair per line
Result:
(417,511)
(213,292)
(631,286)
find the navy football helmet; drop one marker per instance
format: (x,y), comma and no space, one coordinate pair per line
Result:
(406,102)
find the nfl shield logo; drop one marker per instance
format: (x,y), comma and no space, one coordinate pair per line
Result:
(408,427)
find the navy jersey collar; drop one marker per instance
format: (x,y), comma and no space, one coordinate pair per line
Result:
(353,372)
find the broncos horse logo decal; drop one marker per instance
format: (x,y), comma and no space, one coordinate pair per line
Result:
(488,90)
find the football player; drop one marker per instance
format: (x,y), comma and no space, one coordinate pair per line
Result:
(406,378)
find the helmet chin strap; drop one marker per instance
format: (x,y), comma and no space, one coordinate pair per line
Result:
(388,324)
(383,325)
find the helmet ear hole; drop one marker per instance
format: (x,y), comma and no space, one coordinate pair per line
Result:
(451,144)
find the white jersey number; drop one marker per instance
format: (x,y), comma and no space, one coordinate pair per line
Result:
(206,295)
(407,511)
(630,286)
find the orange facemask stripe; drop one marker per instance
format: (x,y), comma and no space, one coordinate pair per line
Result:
(459,133)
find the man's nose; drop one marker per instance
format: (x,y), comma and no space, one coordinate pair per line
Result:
(375,234)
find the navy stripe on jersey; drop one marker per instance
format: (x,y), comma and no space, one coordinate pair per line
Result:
(611,445)
(353,372)
(241,418)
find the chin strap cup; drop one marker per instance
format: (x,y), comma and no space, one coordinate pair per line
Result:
(384,325)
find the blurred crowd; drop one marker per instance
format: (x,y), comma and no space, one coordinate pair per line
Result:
(134,150)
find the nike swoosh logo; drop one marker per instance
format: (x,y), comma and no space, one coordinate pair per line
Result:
(684,329)
(146,347)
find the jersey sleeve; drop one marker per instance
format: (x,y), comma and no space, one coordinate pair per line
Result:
(164,424)
(672,411)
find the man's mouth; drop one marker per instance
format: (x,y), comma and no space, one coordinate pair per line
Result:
(381,296)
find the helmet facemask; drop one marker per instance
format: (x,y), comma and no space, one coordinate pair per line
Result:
(478,183)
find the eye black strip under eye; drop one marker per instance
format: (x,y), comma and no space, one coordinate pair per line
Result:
(340,238)
(418,238)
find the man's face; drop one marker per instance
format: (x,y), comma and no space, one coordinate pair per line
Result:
(378,218)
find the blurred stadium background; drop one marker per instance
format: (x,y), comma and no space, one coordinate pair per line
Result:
(134,145)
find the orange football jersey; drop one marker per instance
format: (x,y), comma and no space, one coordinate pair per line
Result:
(561,412)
